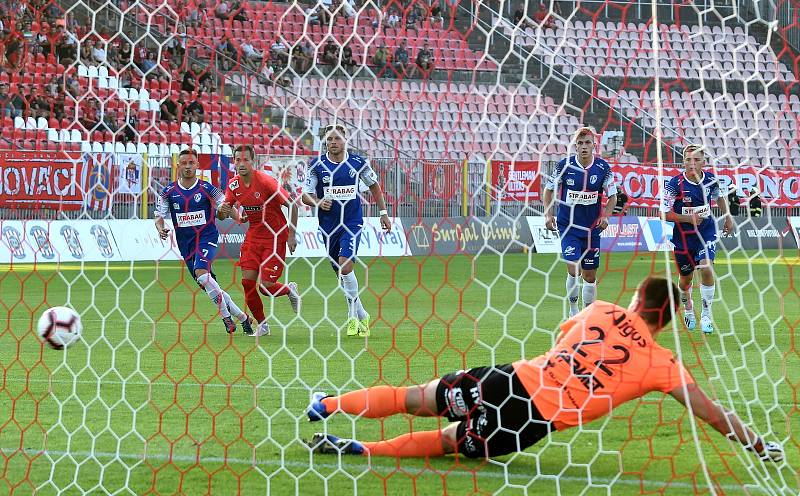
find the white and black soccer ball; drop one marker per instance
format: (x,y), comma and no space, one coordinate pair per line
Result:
(60,327)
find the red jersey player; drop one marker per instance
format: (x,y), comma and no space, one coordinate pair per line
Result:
(264,248)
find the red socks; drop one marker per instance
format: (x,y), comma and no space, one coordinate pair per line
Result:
(374,402)
(253,300)
(276,289)
(413,444)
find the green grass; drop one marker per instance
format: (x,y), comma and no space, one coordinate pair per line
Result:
(156,398)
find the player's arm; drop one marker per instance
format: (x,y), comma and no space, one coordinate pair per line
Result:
(291,242)
(223,207)
(668,213)
(162,210)
(722,202)
(611,191)
(549,193)
(725,422)
(309,196)
(370,179)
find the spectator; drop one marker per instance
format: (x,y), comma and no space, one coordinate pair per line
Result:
(37,105)
(71,85)
(543,17)
(521,21)
(621,208)
(425,60)
(302,57)
(14,46)
(238,12)
(267,74)
(98,52)
(59,102)
(193,15)
(66,47)
(733,202)
(123,56)
(225,54)
(347,9)
(42,40)
(250,56)
(189,83)
(436,15)
(176,47)
(321,14)
(148,66)
(380,58)
(348,62)
(393,18)
(330,53)
(110,121)
(51,88)
(222,10)
(205,82)
(414,18)
(7,108)
(755,203)
(169,110)
(401,61)
(91,116)
(129,131)
(279,53)
(87,57)
(194,112)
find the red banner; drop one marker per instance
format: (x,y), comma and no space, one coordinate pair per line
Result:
(41,180)
(441,179)
(516,180)
(780,188)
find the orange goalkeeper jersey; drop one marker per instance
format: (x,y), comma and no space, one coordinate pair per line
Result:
(603,357)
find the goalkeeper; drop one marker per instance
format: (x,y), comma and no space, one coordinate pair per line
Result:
(605,356)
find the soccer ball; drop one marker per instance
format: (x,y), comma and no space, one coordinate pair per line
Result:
(60,327)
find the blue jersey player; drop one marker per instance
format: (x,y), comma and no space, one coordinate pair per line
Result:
(578,183)
(687,202)
(192,203)
(332,185)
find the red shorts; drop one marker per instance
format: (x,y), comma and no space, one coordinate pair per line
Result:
(265,255)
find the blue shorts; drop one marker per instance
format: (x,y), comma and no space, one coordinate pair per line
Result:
(694,251)
(578,245)
(198,253)
(342,242)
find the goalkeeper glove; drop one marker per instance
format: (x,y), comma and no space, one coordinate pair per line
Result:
(770,452)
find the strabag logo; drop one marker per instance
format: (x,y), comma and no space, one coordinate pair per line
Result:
(189,219)
(581,197)
(340,192)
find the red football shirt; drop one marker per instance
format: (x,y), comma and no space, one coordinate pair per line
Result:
(262,202)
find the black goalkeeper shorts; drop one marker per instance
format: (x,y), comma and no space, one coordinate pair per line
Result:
(495,414)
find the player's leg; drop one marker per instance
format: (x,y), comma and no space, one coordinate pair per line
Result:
(249,260)
(344,248)
(495,417)
(589,265)
(571,253)
(705,262)
(273,262)
(686,266)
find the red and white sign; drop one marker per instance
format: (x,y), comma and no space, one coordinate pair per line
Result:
(516,180)
(41,179)
(780,188)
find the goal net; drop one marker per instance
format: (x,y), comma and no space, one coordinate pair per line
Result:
(463,109)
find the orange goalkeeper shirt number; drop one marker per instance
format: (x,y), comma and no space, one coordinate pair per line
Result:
(604,357)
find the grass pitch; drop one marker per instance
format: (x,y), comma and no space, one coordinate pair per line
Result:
(158,399)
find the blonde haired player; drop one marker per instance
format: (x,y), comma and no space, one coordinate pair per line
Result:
(331,186)
(579,182)
(687,203)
